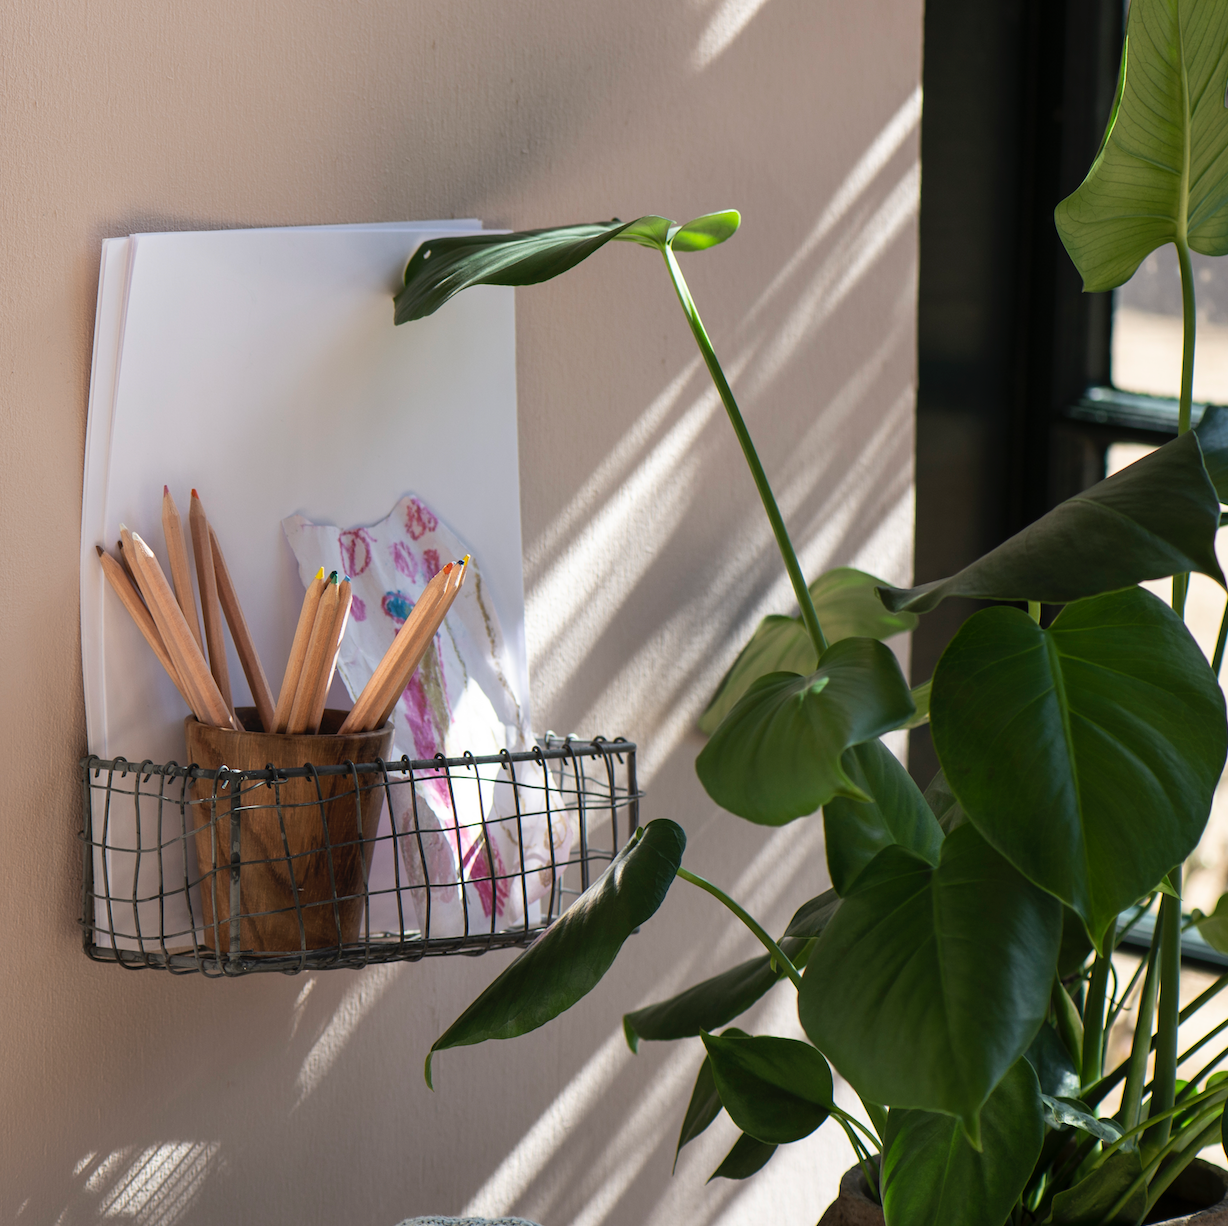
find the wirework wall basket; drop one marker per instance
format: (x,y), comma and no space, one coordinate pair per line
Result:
(227,872)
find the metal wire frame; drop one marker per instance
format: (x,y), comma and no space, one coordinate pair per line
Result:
(590,783)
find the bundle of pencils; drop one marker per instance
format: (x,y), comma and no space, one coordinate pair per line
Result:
(381,694)
(167,617)
(165,613)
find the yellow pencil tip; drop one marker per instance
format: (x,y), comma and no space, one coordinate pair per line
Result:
(320,573)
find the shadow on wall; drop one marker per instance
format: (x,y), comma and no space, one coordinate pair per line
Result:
(197,1117)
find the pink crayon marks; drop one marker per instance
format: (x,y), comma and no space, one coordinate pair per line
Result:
(430,559)
(419,519)
(404,560)
(358,609)
(356,551)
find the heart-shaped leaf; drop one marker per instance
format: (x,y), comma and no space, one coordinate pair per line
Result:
(932,1174)
(1071,1113)
(777,1090)
(650,231)
(1155,518)
(1087,753)
(1052,1064)
(1162,171)
(1214,927)
(569,958)
(929,983)
(1092,1197)
(1212,431)
(747,1156)
(704,1107)
(856,831)
(777,754)
(705,1104)
(847,604)
(706,231)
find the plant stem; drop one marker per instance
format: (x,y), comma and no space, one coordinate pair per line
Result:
(1165,1078)
(1093,1014)
(1188,328)
(777,953)
(800,591)
(1217,659)
(1137,1065)
(1188,1152)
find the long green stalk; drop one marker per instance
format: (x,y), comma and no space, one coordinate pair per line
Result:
(777,953)
(1136,1068)
(800,591)
(1165,1078)
(1093,1014)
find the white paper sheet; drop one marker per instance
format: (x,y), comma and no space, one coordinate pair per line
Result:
(262,367)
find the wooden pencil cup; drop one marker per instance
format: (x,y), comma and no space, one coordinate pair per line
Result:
(313,861)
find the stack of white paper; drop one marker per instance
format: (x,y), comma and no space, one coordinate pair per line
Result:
(262,367)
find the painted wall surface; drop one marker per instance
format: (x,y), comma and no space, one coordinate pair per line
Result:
(145,1098)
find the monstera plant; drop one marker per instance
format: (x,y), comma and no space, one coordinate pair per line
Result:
(958,974)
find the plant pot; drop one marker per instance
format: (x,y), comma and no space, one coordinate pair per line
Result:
(1198,1197)
(305,843)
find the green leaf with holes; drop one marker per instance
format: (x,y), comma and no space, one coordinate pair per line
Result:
(1087,753)
(1157,517)
(856,831)
(776,1090)
(847,604)
(1161,174)
(568,960)
(777,755)
(930,982)
(932,1174)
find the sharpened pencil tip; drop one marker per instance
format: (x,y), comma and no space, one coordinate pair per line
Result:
(195,494)
(100,549)
(320,573)
(166,491)
(333,577)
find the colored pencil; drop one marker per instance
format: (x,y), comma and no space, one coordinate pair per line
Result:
(423,638)
(253,670)
(206,581)
(315,663)
(172,531)
(371,697)
(204,697)
(126,589)
(298,651)
(341,619)
(123,557)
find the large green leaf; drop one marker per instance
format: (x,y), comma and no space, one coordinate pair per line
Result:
(847,604)
(1092,1197)
(747,1156)
(712,1003)
(856,831)
(570,957)
(776,1090)
(1087,753)
(929,983)
(1162,171)
(703,1108)
(932,1174)
(442,267)
(1157,517)
(777,754)
(1212,431)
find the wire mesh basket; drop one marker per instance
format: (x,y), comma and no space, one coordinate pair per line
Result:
(227,872)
